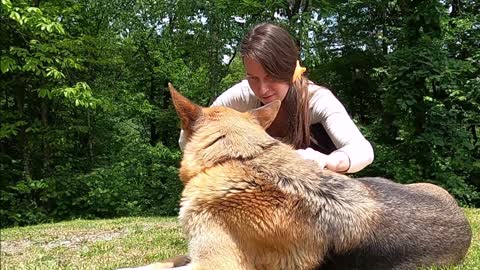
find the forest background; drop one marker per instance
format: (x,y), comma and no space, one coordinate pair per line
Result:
(87,128)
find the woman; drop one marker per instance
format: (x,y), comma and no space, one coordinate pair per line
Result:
(311,119)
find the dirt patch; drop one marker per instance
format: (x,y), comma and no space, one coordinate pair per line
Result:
(13,247)
(72,239)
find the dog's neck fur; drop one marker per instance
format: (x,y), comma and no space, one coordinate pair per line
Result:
(215,145)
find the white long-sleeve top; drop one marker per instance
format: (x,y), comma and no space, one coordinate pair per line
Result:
(325,108)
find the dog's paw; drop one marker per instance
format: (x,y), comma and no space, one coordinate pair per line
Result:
(137,268)
(147,267)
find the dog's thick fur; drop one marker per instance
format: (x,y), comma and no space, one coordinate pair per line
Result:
(251,202)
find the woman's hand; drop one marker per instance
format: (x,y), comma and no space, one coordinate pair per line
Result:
(337,161)
(309,153)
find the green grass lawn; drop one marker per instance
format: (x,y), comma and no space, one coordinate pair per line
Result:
(109,244)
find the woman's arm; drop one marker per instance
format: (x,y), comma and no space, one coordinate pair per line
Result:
(354,151)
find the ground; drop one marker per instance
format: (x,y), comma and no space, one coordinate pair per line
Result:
(109,244)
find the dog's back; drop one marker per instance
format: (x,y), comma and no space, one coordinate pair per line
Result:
(400,226)
(421,224)
(280,207)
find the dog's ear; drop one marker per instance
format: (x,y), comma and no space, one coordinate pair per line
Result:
(186,110)
(267,113)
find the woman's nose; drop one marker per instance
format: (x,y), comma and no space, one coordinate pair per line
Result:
(263,88)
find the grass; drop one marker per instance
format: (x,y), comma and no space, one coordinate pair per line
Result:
(123,242)
(87,244)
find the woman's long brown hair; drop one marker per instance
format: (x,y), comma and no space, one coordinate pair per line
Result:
(274,48)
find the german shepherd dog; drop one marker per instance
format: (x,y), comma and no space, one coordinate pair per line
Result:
(251,202)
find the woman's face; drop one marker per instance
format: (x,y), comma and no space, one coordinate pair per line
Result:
(266,88)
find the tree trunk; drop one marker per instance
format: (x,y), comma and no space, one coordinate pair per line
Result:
(293,9)
(90,139)
(2,146)
(22,135)
(473,129)
(384,31)
(420,108)
(456,8)
(154,136)
(45,146)
(6,100)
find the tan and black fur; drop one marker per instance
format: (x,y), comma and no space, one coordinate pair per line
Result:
(251,202)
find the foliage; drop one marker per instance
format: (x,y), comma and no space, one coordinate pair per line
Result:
(143,182)
(431,126)
(87,128)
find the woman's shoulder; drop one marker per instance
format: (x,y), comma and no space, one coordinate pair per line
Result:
(323,102)
(239,97)
(321,96)
(241,88)
(316,90)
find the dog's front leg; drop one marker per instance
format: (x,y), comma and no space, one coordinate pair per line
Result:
(212,247)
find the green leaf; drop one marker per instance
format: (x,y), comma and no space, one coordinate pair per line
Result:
(31,64)
(34,10)
(53,72)
(16,16)
(43,92)
(7,64)
(7,4)
(8,130)
(59,29)
(49,27)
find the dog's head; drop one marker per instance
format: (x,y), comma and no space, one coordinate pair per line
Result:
(219,134)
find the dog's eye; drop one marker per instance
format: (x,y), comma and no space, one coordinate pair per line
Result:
(216,140)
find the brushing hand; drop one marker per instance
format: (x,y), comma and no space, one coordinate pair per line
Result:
(337,161)
(310,154)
